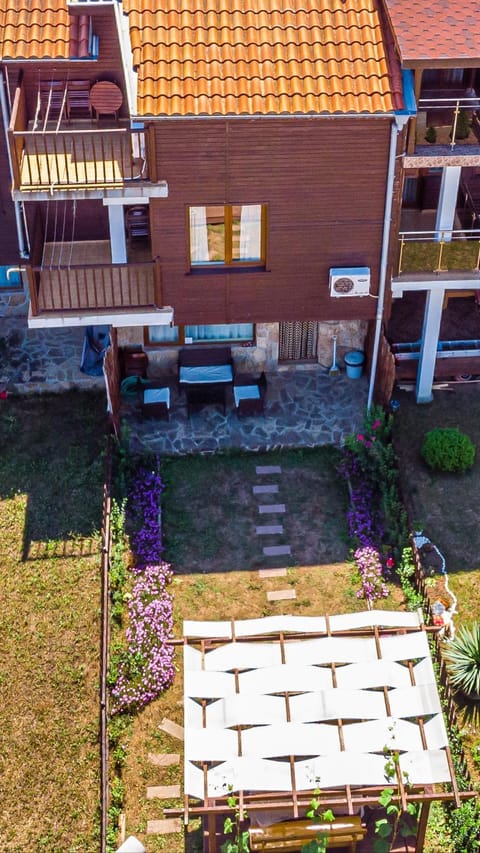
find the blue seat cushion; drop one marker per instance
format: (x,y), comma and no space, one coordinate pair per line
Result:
(246,392)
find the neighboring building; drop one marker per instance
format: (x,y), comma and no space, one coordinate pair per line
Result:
(189,174)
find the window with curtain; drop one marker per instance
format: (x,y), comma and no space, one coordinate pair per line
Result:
(227,235)
(217,333)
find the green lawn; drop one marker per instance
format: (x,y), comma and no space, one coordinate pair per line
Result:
(51,475)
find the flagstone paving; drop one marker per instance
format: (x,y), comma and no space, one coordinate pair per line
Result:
(271,509)
(267,529)
(281,595)
(163,759)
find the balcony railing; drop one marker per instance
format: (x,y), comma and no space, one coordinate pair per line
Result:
(76,157)
(448,121)
(438,251)
(99,287)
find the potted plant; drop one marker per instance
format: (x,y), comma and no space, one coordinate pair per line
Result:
(462,657)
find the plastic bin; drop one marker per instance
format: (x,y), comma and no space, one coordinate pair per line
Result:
(354,362)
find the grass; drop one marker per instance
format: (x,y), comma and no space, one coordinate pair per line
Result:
(210,511)
(51,474)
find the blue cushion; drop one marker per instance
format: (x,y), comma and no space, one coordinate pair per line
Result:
(246,392)
(157,395)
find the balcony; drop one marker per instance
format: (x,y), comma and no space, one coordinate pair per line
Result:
(447,126)
(65,285)
(438,252)
(75,153)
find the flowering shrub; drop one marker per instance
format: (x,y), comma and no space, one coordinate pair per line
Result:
(370,569)
(145,669)
(144,514)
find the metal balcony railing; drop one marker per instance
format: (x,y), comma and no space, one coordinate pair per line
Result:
(438,251)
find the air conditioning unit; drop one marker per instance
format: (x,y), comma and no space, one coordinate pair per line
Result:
(350,281)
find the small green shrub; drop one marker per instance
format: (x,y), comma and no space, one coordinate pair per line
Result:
(448,449)
(463,660)
(462,130)
(431,134)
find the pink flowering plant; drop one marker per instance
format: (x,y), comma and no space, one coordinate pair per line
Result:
(370,571)
(142,671)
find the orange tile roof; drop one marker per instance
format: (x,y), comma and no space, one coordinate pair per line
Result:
(41,29)
(436,29)
(260,57)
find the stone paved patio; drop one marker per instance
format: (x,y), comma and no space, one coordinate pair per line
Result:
(305,407)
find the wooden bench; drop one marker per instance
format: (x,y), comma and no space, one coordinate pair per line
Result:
(291,835)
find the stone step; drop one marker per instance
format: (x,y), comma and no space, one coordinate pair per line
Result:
(277,550)
(163,759)
(271,508)
(267,529)
(268,469)
(281,595)
(163,792)
(272,573)
(171,728)
(164,826)
(269,489)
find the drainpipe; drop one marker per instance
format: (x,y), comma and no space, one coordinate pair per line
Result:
(395,128)
(19,214)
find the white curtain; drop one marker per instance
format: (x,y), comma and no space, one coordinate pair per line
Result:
(220,332)
(198,235)
(250,232)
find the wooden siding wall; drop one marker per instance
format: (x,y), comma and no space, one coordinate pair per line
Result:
(107,67)
(324,183)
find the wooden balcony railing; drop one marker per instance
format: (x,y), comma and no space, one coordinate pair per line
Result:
(74,158)
(439,251)
(99,287)
(70,159)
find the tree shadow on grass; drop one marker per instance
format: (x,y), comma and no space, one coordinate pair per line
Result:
(53,452)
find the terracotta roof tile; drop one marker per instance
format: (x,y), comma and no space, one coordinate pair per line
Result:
(239,57)
(42,29)
(436,29)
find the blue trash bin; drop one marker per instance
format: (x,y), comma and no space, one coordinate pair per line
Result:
(354,362)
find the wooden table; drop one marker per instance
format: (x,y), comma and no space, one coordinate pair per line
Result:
(106,98)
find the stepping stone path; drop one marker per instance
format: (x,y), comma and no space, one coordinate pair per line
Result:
(165,826)
(163,760)
(272,530)
(281,595)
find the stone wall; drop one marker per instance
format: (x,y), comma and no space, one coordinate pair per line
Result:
(350,336)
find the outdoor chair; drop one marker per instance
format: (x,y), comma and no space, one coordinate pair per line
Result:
(153,399)
(249,394)
(137,222)
(78,99)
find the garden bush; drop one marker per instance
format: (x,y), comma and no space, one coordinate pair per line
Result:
(448,449)
(463,660)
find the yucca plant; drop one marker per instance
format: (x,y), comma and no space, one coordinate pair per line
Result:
(463,660)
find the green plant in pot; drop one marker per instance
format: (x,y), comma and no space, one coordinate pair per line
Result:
(462,657)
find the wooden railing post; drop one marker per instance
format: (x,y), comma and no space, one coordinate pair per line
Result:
(150,149)
(33,279)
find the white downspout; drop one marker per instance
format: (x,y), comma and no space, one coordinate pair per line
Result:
(19,221)
(395,128)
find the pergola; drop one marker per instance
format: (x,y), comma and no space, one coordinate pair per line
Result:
(280,706)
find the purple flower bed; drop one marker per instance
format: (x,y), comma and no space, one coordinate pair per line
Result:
(144,513)
(145,668)
(364,519)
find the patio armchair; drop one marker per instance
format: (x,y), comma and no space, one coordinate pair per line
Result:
(153,399)
(249,394)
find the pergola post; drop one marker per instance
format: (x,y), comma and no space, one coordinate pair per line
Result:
(422,825)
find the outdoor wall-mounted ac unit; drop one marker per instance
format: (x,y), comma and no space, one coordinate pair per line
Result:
(350,281)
